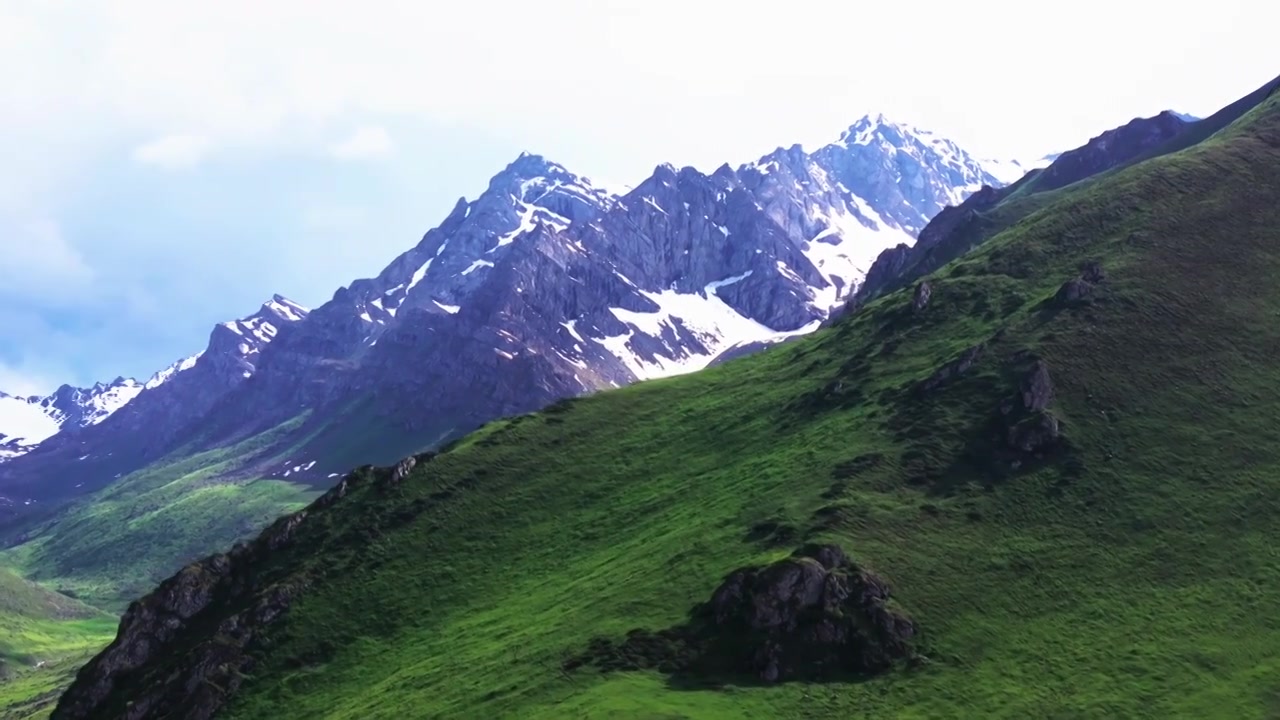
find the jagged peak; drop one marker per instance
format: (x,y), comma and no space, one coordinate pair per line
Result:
(166,374)
(529,166)
(285,309)
(867,128)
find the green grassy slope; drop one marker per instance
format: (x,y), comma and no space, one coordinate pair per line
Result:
(1131,575)
(114,545)
(44,637)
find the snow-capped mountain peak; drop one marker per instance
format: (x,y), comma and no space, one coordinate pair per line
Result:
(548,285)
(27,421)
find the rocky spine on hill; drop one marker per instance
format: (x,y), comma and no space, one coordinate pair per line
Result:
(813,616)
(161,665)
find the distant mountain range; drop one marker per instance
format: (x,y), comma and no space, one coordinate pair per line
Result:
(545,286)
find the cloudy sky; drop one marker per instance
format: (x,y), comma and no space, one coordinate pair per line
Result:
(168,165)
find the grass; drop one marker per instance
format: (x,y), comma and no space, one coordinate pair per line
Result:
(44,638)
(1132,574)
(115,544)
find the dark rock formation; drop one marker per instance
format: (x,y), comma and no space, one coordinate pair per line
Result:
(814,616)
(1073,291)
(1029,431)
(921,298)
(1078,289)
(402,470)
(1037,388)
(1092,272)
(168,660)
(948,236)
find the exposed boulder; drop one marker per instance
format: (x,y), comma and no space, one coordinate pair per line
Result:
(402,469)
(815,615)
(921,299)
(1073,291)
(1029,429)
(1078,289)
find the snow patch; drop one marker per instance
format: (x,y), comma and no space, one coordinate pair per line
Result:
(476,265)
(419,275)
(703,317)
(23,423)
(571,326)
(168,373)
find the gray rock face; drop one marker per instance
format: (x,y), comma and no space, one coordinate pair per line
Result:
(1037,388)
(1073,291)
(920,300)
(908,175)
(544,287)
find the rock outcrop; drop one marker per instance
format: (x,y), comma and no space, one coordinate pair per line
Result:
(923,292)
(1030,429)
(1078,289)
(815,615)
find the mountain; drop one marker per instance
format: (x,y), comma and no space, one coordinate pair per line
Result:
(106,434)
(1036,481)
(27,421)
(543,287)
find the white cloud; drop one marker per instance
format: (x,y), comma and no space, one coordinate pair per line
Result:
(746,76)
(367,142)
(24,381)
(173,152)
(38,259)
(332,217)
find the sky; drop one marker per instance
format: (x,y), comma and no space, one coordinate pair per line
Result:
(167,166)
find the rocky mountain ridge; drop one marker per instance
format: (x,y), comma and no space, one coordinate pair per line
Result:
(545,286)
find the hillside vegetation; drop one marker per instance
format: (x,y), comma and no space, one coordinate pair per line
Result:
(1121,566)
(112,546)
(44,638)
